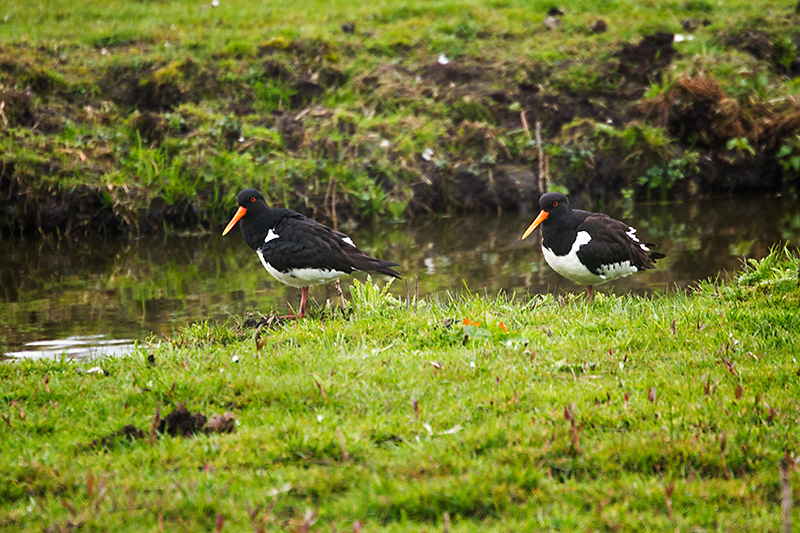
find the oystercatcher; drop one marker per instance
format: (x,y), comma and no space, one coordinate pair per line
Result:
(298,251)
(588,248)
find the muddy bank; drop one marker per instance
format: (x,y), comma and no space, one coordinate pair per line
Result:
(142,145)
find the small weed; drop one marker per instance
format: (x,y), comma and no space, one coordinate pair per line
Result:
(741,144)
(662,180)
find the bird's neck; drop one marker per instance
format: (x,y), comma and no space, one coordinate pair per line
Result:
(256,225)
(558,234)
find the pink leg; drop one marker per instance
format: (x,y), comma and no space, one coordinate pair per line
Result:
(303,301)
(591,294)
(341,294)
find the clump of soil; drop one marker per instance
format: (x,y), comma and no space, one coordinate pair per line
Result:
(179,423)
(224,423)
(129,432)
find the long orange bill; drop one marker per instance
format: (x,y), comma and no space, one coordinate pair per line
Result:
(542,215)
(239,214)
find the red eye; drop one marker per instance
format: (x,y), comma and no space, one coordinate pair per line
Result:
(253,199)
(555,203)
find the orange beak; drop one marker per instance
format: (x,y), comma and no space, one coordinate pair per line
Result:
(239,214)
(542,216)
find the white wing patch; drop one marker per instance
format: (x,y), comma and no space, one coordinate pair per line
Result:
(348,240)
(617,270)
(301,277)
(581,238)
(271,236)
(632,234)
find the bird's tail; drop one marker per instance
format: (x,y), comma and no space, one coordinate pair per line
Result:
(384,269)
(368,263)
(654,256)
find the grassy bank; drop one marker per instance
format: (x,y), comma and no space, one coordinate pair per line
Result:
(149,116)
(660,413)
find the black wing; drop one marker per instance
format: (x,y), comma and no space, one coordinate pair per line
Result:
(305,243)
(613,242)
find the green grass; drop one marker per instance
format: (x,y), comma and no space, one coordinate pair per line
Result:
(139,103)
(540,414)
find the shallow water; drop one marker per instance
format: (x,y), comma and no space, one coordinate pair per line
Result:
(91,297)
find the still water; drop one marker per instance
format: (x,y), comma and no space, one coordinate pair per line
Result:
(94,297)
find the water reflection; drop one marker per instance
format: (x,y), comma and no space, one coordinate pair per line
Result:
(91,346)
(123,289)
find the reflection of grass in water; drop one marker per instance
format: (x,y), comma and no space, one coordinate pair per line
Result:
(504,415)
(147,285)
(139,286)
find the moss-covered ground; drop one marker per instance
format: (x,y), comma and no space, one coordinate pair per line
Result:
(149,116)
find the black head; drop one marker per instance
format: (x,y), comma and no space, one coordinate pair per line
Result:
(554,206)
(248,197)
(252,208)
(554,203)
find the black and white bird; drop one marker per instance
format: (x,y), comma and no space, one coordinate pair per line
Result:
(588,248)
(297,250)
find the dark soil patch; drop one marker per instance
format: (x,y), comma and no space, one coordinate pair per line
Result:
(181,422)
(644,62)
(16,107)
(151,126)
(68,211)
(756,43)
(153,87)
(457,72)
(304,92)
(475,188)
(291,129)
(781,54)
(129,433)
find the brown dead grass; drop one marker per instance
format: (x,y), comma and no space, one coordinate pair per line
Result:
(698,109)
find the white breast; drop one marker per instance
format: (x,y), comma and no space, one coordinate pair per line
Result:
(301,277)
(570,266)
